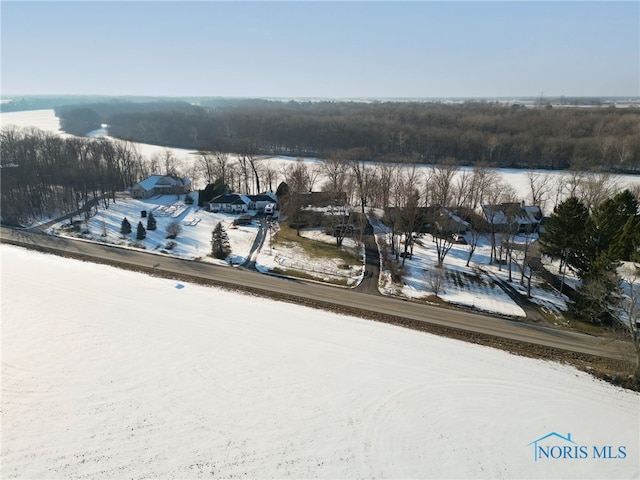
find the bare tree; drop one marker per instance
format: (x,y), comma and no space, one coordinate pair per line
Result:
(435,277)
(440,183)
(340,222)
(249,155)
(463,189)
(385,175)
(361,173)
(206,164)
(539,188)
(222,163)
(334,169)
(521,254)
(169,162)
(496,194)
(473,236)
(410,220)
(482,180)
(297,176)
(443,242)
(593,189)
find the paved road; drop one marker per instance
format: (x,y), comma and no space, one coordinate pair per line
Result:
(296,290)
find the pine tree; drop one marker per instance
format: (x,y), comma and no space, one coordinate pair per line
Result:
(625,245)
(142,233)
(125,229)
(151,222)
(220,246)
(568,235)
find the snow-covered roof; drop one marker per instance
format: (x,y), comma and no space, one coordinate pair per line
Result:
(149,183)
(455,217)
(264,197)
(520,214)
(163,181)
(231,199)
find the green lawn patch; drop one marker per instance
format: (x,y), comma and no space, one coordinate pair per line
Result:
(314,248)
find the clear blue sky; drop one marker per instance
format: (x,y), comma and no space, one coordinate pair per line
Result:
(321,49)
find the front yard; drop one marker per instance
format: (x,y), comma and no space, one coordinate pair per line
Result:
(312,255)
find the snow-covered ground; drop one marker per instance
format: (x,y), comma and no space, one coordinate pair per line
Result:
(473,286)
(194,242)
(286,258)
(112,374)
(45,120)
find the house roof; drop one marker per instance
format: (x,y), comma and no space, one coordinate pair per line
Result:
(263,197)
(231,199)
(163,181)
(521,214)
(149,183)
(455,218)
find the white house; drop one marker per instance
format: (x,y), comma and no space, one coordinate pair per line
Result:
(261,201)
(237,203)
(230,203)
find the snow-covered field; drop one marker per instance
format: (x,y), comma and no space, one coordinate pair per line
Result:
(111,374)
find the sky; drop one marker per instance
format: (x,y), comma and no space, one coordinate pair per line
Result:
(321,49)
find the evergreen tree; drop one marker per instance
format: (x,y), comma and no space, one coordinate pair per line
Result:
(125,228)
(282,190)
(142,233)
(628,241)
(567,235)
(610,219)
(151,222)
(211,191)
(220,246)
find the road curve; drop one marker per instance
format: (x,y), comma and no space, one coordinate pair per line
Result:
(317,294)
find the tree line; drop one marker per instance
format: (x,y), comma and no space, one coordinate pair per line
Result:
(44,174)
(475,132)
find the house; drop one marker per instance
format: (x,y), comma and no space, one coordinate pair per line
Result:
(447,221)
(261,201)
(513,217)
(230,203)
(161,185)
(238,203)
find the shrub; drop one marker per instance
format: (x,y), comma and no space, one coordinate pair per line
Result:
(173,229)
